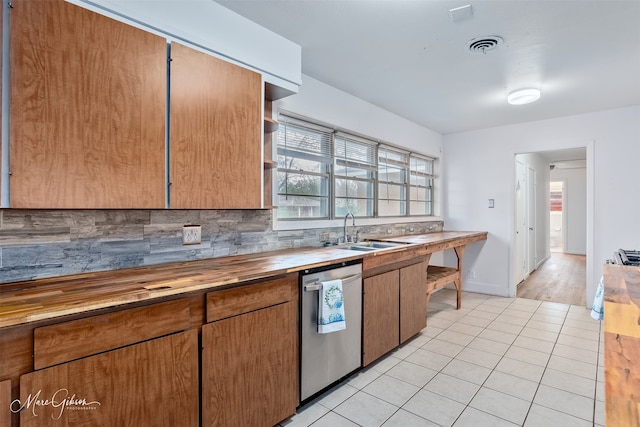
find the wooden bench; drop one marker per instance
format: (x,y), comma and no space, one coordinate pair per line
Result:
(437,277)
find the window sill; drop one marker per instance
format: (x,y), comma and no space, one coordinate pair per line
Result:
(281,225)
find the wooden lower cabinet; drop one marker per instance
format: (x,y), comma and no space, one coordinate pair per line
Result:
(153,383)
(381,323)
(250,368)
(5,403)
(394,309)
(413,300)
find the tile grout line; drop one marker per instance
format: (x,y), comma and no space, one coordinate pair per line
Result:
(467,405)
(546,365)
(539,383)
(494,368)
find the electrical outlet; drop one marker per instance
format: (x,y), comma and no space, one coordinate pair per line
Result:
(324,237)
(191,234)
(472,274)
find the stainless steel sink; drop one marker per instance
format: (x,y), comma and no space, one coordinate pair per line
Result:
(380,245)
(372,246)
(360,248)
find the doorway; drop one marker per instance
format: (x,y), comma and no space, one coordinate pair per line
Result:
(542,252)
(557,205)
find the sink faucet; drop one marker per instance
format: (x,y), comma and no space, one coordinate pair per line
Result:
(346,236)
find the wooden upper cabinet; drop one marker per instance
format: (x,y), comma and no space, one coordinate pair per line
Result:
(215,133)
(88,105)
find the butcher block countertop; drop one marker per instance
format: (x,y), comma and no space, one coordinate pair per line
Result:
(438,241)
(41,299)
(622,344)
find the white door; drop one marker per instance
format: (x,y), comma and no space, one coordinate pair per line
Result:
(521,222)
(531,221)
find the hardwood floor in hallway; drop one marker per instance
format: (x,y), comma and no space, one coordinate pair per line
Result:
(561,278)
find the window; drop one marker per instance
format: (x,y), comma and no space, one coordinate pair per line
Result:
(421,185)
(324,174)
(354,176)
(392,181)
(304,163)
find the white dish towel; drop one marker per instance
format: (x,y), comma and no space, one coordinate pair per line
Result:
(331,307)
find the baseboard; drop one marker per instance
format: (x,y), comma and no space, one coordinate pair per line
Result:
(485,288)
(539,263)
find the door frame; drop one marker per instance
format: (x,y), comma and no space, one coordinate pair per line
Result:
(590,246)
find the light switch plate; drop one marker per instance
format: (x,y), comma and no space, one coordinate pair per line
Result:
(191,234)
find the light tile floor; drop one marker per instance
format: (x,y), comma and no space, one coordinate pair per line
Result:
(495,362)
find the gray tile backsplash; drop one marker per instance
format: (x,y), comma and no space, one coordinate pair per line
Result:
(47,243)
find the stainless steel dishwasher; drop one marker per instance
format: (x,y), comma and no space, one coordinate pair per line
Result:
(326,358)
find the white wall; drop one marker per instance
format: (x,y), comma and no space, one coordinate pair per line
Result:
(479,165)
(575,209)
(327,104)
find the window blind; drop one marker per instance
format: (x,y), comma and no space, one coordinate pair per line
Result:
(393,165)
(304,166)
(354,175)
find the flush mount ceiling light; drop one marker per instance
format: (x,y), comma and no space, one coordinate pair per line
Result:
(523,96)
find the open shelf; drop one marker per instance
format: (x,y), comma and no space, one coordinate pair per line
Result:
(439,276)
(270,164)
(270,125)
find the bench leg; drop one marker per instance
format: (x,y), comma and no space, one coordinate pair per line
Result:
(458,281)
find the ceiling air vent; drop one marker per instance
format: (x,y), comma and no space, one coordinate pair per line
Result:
(484,44)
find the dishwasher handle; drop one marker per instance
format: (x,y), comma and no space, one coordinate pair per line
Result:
(316,285)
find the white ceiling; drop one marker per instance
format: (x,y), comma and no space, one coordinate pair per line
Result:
(409,57)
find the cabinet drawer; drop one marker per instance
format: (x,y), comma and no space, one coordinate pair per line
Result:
(243,299)
(79,338)
(379,262)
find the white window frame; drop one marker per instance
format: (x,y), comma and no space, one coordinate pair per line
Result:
(322,155)
(332,219)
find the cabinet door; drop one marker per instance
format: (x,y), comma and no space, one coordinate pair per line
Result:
(88,102)
(380,329)
(250,368)
(154,383)
(413,300)
(215,142)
